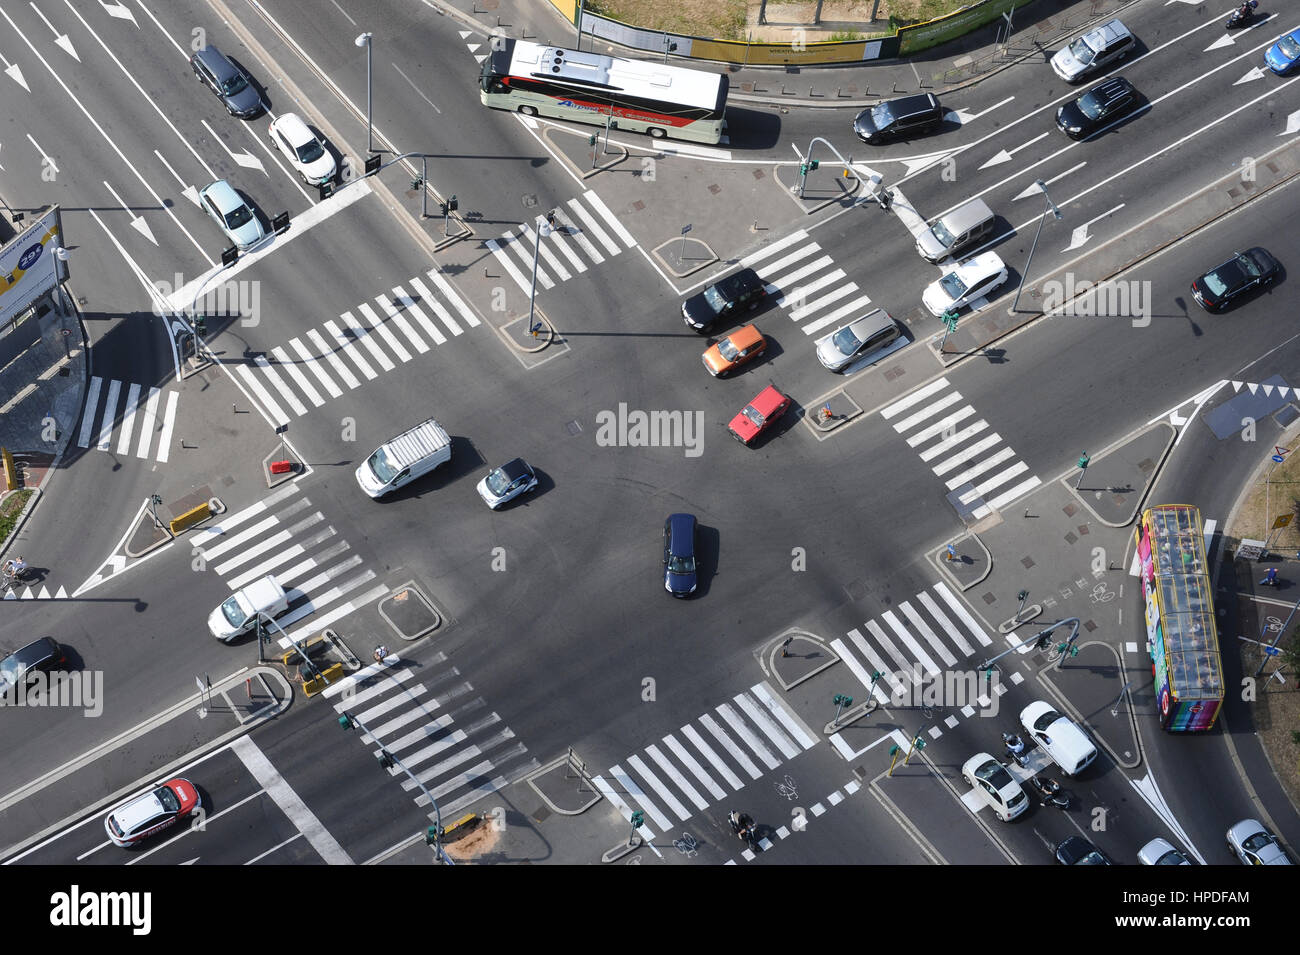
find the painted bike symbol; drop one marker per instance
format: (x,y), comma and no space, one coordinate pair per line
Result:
(787,789)
(686,845)
(1101,594)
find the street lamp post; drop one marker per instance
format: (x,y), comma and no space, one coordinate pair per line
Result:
(543,230)
(364,40)
(1057,213)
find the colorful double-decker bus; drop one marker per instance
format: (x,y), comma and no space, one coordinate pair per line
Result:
(636,95)
(1181,636)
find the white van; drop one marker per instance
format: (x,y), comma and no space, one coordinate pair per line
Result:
(1067,745)
(405,458)
(240,612)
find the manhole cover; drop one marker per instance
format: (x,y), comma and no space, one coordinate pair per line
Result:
(409,612)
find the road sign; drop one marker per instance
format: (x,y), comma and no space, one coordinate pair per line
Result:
(686,228)
(1282,520)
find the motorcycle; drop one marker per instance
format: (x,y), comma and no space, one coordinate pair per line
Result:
(1049,793)
(1242,16)
(742,825)
(1015,748)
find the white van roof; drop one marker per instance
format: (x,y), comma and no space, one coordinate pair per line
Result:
(421,441)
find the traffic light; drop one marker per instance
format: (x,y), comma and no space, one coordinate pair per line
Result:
(431,836)
(1041,643)
(416,183)
(385,759)
(452,204)
(345,721)
(813,164)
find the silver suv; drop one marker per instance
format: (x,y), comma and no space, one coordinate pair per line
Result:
(1093,52)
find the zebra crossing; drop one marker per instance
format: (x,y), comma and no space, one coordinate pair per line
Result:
(458,749)
(907,645)
(586,230)
(145,415)
(310,369)
(287,536)
(719,752)
(807,282)
(960,449)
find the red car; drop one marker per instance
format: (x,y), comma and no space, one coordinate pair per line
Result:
(768,405)
(151,812)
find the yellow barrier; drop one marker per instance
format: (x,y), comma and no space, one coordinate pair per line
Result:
(328,676)
(190,518)
(11,472)
(466,820)
(291,657)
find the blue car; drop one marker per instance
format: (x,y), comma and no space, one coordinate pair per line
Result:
(680,578)
(1283,56)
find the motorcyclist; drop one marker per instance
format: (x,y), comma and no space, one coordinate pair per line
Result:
(1015,745)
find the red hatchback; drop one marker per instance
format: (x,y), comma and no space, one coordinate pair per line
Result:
(768,405)
(151,812)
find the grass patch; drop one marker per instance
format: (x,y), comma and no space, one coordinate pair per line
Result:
(10,508)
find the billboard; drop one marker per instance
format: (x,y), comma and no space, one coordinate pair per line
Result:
(28,265)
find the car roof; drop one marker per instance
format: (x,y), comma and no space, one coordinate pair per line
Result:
(35,652)
(870,323)
(294,129)
(1111,89)
(744,337)
(216,61)
(681,529)
(739,281)
(515,468)
(224,195)
(767,399)
(986,263)
(914,103)
(138,811)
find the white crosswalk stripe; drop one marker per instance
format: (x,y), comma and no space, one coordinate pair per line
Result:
(942,627)
(137,410)
(684,769)
(949,436)
(567,249)
(312,367)
(806,282)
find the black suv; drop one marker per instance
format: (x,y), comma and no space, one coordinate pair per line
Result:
(723,299)
(898,118)
(231,84)
(1097,107)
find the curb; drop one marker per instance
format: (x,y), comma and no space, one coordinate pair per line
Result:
(1164,456)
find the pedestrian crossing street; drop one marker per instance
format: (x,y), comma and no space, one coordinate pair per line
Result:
(913,643)
(423,313)
(586,231)
(806,282)
(145,415)
(960,448)
(286,536)
(718,753)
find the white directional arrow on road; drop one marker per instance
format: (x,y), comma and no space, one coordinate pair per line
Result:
(137,222)
(15,73)
(1080,235)
(1033,190)
(61,39)
(925,162)
(1005,155)
(192,194)
(1292,124)
(963,116)
(119,11)
(245,159)
(1226,40)
(1256,74)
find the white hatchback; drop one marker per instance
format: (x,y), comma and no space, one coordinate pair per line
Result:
(996,786)
(236,218)
(963,284)
(305,152)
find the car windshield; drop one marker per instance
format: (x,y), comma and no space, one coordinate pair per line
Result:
(1172,857)
(728,350)
(1248,265)
(881,115)
(234,85)
(238,217)
(1090,104)
(846,341)
(1259,840)
(752,414)
(383,468)
(11,669)
(953,286)
(995,774)
(1047,719)
(234,613)
(168,799)
(714,298)
(1092,858)
(681,565)
(1289,47)
(943,235)
(310,151)
(497,481)
(1224,277)
(1080,50)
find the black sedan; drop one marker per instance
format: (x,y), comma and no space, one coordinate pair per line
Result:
(1101,105)
(743,291)
(41,655)
(1243,273)
(1077,850)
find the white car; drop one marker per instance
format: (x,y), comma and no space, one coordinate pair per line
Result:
(507,482)
(1253,844)
(996,786)
(237,220)
(965,283)
(1067,745)
(1161,852)
(305,152)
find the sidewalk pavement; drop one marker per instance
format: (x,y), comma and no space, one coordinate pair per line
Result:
(42,376)
(1036,30)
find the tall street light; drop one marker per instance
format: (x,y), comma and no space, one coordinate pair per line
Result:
(543,230)
(364,40)
(1056,212)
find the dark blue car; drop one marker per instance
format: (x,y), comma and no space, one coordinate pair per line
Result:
(680,577)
